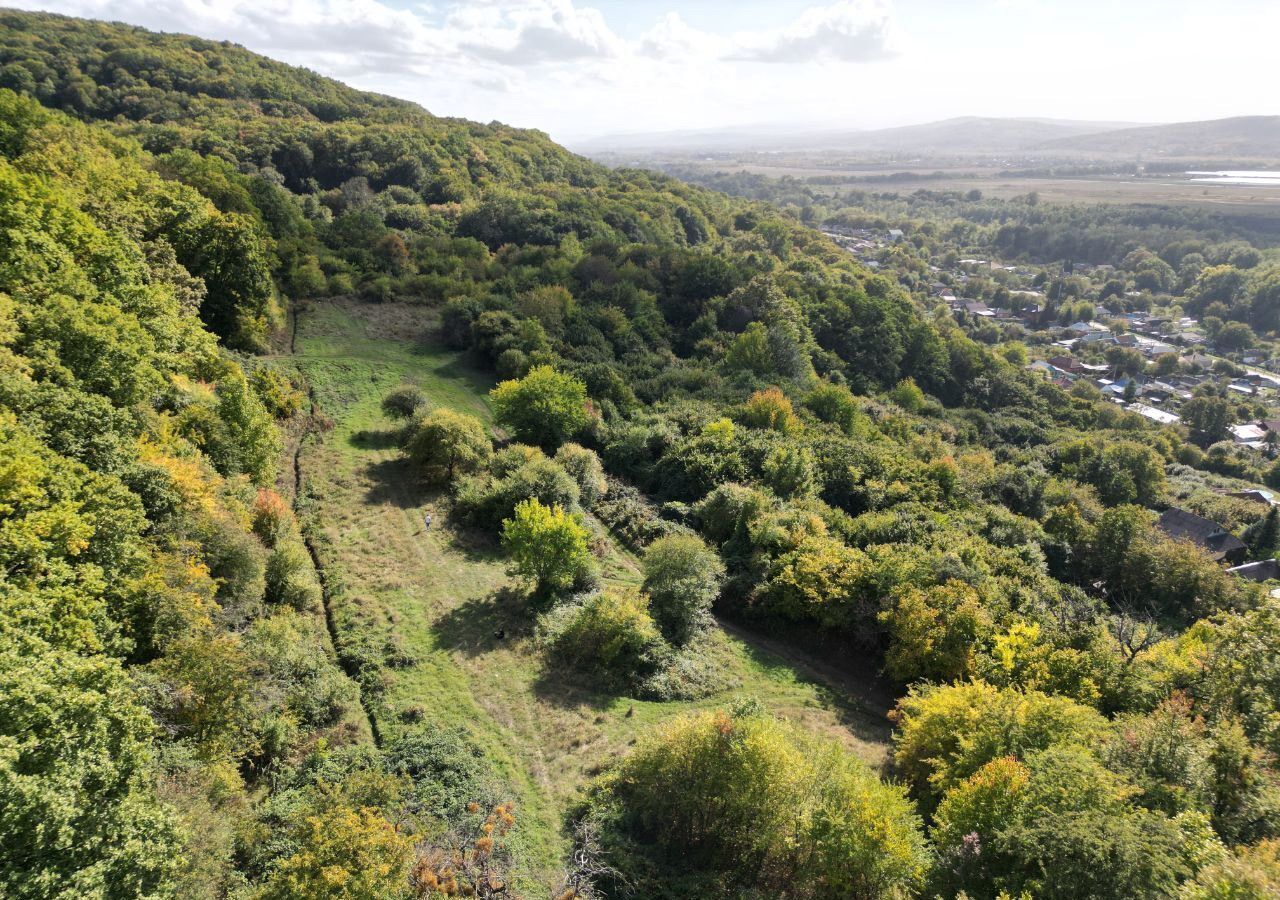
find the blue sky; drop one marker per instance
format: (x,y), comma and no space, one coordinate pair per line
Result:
(578,68)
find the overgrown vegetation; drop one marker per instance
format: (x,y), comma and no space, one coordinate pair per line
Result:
(187,707)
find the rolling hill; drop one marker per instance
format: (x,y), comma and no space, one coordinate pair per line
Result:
(1243,136)
(965,135)
(714,505)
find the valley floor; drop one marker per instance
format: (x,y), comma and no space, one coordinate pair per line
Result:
(441,595)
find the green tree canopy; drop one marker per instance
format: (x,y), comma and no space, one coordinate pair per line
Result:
(445,443)
(545,407)
(682,576)
(548,546)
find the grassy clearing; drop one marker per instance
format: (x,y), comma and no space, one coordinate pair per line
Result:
(443,595)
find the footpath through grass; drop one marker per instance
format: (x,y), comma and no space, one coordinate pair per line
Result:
(441,596)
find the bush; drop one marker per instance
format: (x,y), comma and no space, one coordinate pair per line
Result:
(448,770)
(764,808)
(770,409)
(835,404)
(290,578)
(271,516)
(1251,873)
(1060,826)
(608,635)
(343,852)
(277,392)
(946,733)
(548,546)
(682,576)
(545,407)
(729,509)
(489,501)
(584,468)
(297,675)
(235,559)
(444,443)
(404,402)
(632,518)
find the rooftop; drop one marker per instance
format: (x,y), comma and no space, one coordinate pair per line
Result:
(1185,526)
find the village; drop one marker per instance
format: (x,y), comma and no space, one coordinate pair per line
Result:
(1172,356)
(1144,356)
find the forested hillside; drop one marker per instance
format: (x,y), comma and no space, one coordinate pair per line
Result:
(706,414)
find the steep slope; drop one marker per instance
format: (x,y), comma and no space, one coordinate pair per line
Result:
(776,437)
(380,188)
(161,643)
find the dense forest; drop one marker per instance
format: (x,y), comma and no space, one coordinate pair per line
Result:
(781,438)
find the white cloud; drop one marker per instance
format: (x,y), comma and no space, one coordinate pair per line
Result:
(849,31)
(532,33)
(673,39)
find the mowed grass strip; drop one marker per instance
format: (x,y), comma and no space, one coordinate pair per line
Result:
(442,596)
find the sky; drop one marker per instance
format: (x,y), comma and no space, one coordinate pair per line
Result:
(583,68)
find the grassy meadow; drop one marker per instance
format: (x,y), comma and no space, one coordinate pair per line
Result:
(464,654)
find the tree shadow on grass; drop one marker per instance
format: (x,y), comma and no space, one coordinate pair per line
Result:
(482,624)
(375,439)
(395,482)
(457,368)
(570,689)
(852,689)
(474,544)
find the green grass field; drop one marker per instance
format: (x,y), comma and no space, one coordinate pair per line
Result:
(443,595)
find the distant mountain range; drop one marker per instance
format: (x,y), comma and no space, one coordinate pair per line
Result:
(1249,136)
(966,134)
(1243,136)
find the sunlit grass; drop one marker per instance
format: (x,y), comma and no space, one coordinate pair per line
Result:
(439,593)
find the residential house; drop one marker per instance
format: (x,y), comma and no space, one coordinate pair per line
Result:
(1155,415)
(1249,435)
(1152,348)
(1260,571)
(1097,337)
(1205,533)
(1051,371)
(1257,495)
(1088,328)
